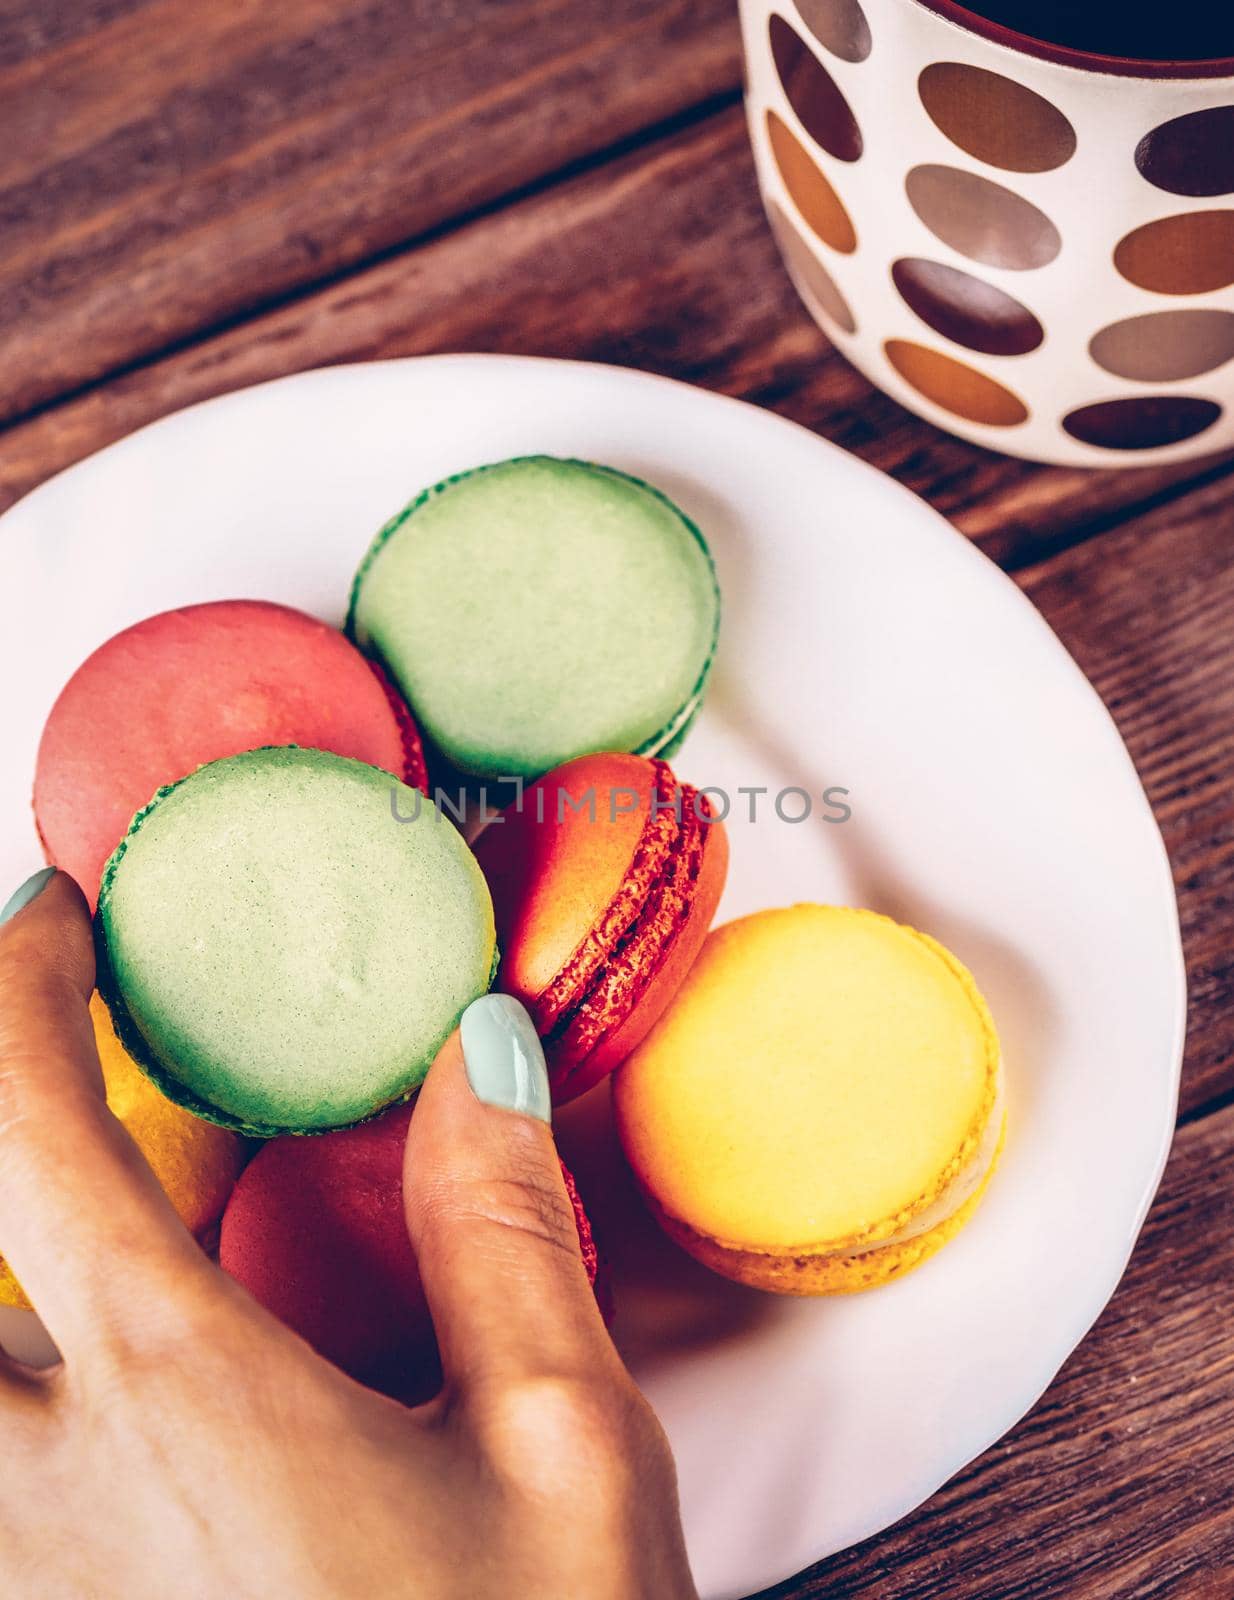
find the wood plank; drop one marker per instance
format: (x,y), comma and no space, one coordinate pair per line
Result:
(170,165)
(1117,1485)
(659,259)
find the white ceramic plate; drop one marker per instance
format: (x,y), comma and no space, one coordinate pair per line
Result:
(865,645)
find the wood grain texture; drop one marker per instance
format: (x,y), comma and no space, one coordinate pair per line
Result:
(28,30)
(170,165)
(659,259)
(1116,1486)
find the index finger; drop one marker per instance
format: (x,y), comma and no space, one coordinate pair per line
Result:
(84,1225)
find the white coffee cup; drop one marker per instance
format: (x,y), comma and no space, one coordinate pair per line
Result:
(1030,245)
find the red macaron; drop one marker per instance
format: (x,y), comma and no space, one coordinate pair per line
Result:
(193,685)
(315,1231)
(605,875)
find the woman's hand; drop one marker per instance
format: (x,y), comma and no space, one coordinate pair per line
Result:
(191,1445)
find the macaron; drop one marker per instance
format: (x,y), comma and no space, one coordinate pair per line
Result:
(605,875)
(196,1163)
(278,952)
(536,610)
(315,1231)
(193,685)
(821,1109)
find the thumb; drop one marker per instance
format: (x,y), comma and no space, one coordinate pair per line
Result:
(493,1228)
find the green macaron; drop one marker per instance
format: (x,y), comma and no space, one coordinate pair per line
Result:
(539,609)
(278,951)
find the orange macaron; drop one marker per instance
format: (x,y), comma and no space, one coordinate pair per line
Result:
(605,875)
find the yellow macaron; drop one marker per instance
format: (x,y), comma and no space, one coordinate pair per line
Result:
(196,1163)
(821,1108)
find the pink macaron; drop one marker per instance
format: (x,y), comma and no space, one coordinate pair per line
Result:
(193,685)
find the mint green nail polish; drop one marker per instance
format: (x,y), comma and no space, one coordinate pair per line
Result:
(30,890)
(504,1057)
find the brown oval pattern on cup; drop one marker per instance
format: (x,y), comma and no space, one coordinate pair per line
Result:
(996,119)
(819,204)
(1192,154)
(813,93)
(815,284)
(1189,253)
(981,219)
(1141,422)
(1165,346)
(839,26)
(954,386)
(965,309)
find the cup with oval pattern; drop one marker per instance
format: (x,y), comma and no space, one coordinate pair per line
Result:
(1030,244)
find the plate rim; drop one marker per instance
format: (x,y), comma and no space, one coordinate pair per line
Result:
(1020,1399)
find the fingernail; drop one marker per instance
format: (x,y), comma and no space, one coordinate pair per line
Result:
(30,890)
(504,1057)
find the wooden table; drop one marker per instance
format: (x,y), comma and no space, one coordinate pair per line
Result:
(198,194)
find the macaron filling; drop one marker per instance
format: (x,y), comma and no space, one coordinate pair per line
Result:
(647,867)
(604,978)
(414,768)
(957,1193)
(643,949)
(278,953)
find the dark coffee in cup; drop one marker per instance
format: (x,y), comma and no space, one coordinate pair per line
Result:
(1166,30)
